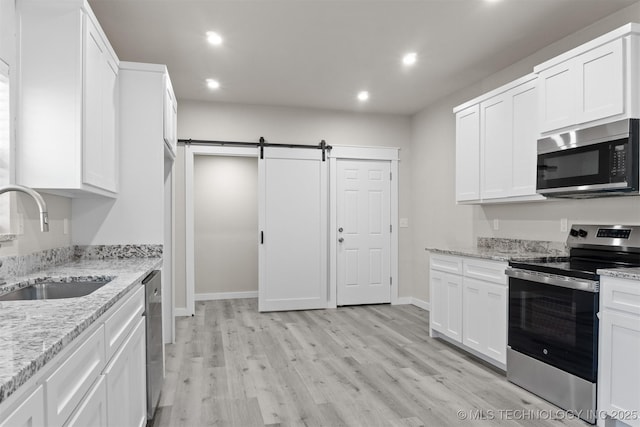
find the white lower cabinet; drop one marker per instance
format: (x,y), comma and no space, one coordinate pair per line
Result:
(88,385)
(126,382)
(619,351)
(485,318)
(469,305)
(30,413)
(446,316)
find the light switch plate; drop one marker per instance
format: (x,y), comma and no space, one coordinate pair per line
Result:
(404,222)
(20,223)
(496,224)
(65,226)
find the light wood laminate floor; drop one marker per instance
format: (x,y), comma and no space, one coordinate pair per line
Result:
(352,366)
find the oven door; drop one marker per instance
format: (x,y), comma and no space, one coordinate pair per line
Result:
(554,324)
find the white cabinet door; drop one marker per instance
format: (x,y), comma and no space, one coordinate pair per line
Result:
(126,382)
(524,149)
(495,320)
(170,117)
(557,93)
(468,154)
(474,314)
(601,77)
(619,366)
(586,88)
(30,413)
(100,96)
(93,409)
(293,219)
(495,141)
(485,318)
(446,304)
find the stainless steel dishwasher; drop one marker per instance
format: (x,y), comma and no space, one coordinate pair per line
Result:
(155,354)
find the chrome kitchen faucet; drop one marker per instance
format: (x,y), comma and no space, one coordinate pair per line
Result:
(42,206)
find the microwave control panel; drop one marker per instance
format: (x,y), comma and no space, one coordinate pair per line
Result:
(618,160)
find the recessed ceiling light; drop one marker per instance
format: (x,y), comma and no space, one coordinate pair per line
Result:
(363,95)
(214,38)
(213,84)
(410,58)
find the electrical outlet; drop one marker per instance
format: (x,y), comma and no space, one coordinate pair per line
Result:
(496,224)
(65,226)
(563,224)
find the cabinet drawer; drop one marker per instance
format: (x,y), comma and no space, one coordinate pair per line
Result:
(449,264)
(491,271)
(66,387)
(118,325)
(620,294)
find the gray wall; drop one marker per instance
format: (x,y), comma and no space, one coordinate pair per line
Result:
(226,224)
(439,222)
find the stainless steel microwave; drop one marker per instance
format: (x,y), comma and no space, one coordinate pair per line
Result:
(592,162)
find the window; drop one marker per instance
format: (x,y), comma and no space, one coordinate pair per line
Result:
(5,144)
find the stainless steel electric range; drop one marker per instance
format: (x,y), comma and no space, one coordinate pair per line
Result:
(553,324)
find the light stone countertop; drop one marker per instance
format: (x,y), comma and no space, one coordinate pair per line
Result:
(632,273)
(34,332)
(505,255)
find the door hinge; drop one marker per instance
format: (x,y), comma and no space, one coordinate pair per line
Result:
(390,228)
(390,176)
(262,237)
(390,281)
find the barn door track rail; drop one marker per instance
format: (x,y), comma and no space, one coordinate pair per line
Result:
(260,144)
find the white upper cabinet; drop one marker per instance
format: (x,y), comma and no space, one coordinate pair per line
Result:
(170,129)
(468,154)
(591,84)
(67,129)
(496,136)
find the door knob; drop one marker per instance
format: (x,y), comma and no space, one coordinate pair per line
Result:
(341,240)
(340,230)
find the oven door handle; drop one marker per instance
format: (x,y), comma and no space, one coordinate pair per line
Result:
(554,280)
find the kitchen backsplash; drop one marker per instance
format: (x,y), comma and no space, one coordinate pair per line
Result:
(21,265)
(520,245)
(118,251)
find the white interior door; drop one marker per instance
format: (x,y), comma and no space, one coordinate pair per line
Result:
(293,207)
(364,232)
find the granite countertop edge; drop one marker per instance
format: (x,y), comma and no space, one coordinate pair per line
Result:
(34,347)
(632,273)
(504,256)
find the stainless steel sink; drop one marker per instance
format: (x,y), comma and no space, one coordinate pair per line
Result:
(54,290)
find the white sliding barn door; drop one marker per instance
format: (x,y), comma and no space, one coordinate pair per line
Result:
(364,232)
(293,224)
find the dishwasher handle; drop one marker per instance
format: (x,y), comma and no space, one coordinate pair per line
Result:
(150,277)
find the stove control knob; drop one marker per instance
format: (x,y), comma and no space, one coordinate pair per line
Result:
(582,233)
(573,232)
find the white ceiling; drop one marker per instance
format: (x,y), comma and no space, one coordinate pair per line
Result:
(320,53)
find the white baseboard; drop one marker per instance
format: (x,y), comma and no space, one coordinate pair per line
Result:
(420,303)
(225,295)
(181,312)
(403,301)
